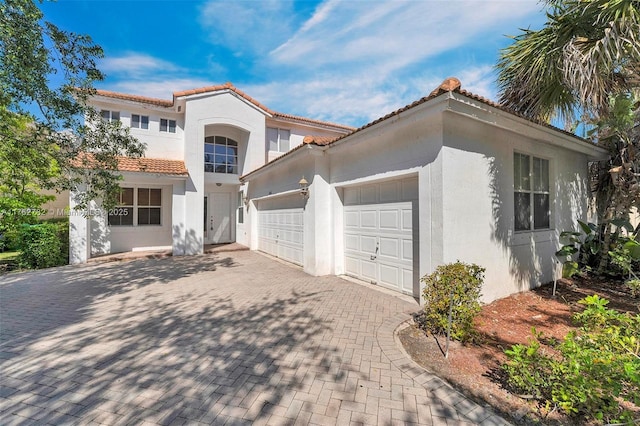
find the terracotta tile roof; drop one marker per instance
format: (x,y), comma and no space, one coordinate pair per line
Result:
(135,98)
(220,87)
(152,165)
(143,164)
(319,140)
(451,84)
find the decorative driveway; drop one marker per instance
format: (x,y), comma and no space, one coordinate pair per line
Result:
(228,338)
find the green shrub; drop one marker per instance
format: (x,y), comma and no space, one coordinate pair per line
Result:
(44,245)
(457,282)
(589,371)
(9,240)
(634,286)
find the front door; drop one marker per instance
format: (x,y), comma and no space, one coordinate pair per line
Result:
(218,218)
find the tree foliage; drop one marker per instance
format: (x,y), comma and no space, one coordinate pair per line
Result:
(587,51)
(585,64)
(47,76)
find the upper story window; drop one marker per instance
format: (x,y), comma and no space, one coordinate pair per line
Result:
(167,125)
(278,139)
(110,115)
(140,121)
(220,155)
(531,192)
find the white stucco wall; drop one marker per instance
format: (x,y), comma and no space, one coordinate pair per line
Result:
(159,144)
(205,115)
(116,239)
(462,154)
(477,204)
(298,133)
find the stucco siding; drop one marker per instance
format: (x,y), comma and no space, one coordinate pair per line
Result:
(115,239)
(478,204)
(158,144)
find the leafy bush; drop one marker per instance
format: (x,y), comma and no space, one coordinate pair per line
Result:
(634,286)
(459,283)
(9,239)
(44,245)
(589,371)
(626,255)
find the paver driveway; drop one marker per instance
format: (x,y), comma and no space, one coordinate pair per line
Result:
(230,338)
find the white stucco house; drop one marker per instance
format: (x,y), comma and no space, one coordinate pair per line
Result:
(452,176)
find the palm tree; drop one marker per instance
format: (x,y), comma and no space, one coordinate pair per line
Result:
(587,51)
(584,64)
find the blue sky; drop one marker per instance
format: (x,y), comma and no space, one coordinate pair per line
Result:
(344,61)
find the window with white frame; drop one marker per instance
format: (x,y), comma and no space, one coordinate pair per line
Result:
(110,116)
(140,206)
(240,207)
(532,201)
(167,125)
(140,121)
(278,139)
(220,155)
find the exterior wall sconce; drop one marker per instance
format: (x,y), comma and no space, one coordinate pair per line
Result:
(615,175)
(245,200)
(304,187)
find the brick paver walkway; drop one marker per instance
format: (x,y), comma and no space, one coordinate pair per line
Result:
(228,338)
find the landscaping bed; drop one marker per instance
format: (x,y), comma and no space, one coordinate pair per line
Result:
(475,369)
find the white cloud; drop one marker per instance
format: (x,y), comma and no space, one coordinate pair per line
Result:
(388,36)
(134,65)
(247,27)
(145,75)
(160,88)
(349,61)
(360,99)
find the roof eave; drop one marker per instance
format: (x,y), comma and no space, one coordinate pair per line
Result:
(560,137)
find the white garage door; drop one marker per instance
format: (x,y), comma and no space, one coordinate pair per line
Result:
(379,233)
(281,233)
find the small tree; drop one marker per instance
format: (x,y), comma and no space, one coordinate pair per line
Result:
(46,122)
(451,295)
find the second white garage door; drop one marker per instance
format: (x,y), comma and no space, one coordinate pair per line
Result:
(281,233)
(379,233)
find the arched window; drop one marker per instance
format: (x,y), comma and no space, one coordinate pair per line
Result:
(220,155)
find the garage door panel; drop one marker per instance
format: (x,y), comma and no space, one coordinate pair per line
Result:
(368,219)
(381,217)
(352,265)
(407,250)
(281,233)
(390,247)
(351,219)
(389,219)
(351,242)
(390,275)
(368,244)
(368,270)
(407,220)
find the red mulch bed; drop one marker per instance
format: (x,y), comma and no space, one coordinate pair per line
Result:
(475,369)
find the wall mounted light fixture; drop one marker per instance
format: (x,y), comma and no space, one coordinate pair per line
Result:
(304,187)
(615,174)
